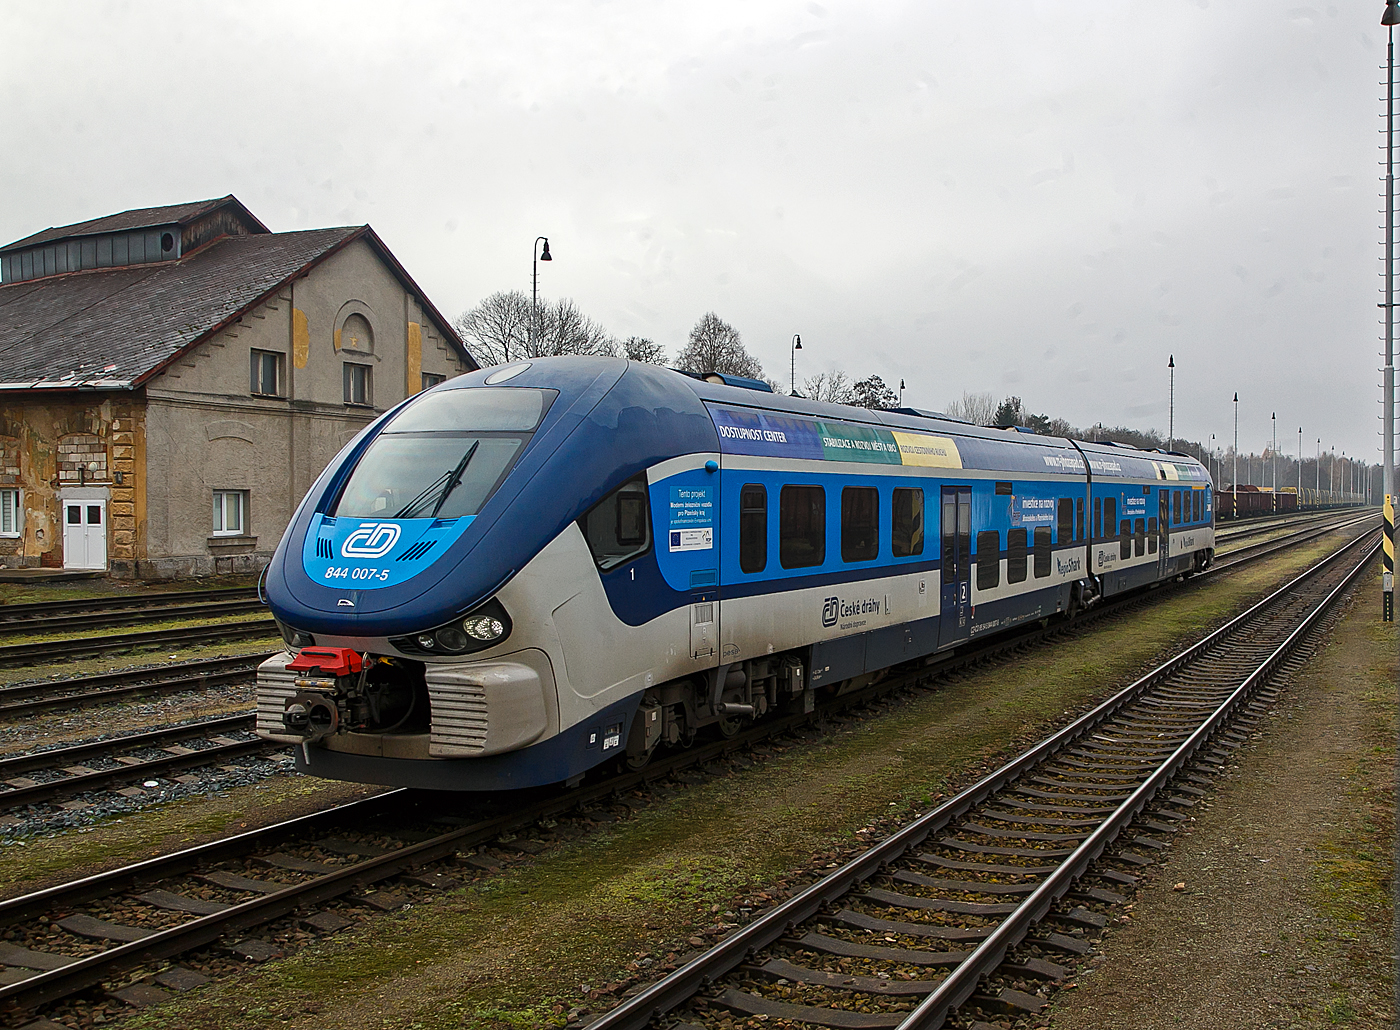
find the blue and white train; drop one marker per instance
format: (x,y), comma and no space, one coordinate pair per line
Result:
(534,569)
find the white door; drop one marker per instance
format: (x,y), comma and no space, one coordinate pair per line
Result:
(84,534)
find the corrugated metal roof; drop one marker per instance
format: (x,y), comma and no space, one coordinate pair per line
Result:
(138,218)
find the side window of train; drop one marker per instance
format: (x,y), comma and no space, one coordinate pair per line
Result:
(988,559)
(1042,551)
(618,528)
(907,523)
(801,526)
(1176,507)
(1197,496)
(1098,519)
(1125,538)
(860,523)
(1152,535)
(1139,538)
(1065,518)
(753,528)
(1079,518)
(1110,517)
(1016,556)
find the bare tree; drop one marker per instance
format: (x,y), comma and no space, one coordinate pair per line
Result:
(833,387)
(564,329)
(715,346)
(498,329)
(639,348)
(978,408)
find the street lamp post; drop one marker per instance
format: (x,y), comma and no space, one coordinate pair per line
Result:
(1300,466)
(901,393)
(1212,454)
(1273,459)
(535,286)
(1235,462)
(792,368)
(1171,401)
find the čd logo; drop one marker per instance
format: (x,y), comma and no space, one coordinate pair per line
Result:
(371,540)
(830,609)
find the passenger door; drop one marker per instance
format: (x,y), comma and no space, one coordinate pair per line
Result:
(956,561)
(1164,513)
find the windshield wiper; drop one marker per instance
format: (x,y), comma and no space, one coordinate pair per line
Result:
(447,482)
(456,476)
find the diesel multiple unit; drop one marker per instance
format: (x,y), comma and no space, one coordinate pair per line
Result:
(534,569)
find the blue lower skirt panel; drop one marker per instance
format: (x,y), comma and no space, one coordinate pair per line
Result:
(571,753)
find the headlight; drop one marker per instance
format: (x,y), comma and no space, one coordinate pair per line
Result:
(294,637)
(483,627)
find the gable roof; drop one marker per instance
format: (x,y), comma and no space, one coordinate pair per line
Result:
(138,218)
(114,329)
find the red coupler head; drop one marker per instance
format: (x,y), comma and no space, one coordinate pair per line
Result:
(332,661)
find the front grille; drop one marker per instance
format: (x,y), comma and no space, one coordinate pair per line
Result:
(460,717)
(276,686)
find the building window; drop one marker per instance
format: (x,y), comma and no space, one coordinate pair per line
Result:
(753,528)
(359,385)
(265,373)
(801,526)
(860,523)
(9,513)
(230,512)
(431,379)
(907,523)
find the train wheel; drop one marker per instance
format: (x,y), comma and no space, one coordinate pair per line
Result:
(729,726)
(636,763)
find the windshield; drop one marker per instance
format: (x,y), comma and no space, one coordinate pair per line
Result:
(443,456)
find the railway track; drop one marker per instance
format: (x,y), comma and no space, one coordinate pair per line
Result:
(110,643)
(178,903)
(78,691)
(102,612)
(1227,531)
(1016,871)
(134,757)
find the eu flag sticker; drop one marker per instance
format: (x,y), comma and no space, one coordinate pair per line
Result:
(692,539)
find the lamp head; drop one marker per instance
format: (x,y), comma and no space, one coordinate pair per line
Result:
(1392,13)
(1171,358)
(796,342)
(544,256)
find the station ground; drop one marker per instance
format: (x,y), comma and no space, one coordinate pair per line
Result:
(1277,910)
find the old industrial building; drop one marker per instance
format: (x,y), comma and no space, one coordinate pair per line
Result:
(173,379)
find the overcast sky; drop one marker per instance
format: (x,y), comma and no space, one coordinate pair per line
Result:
(1045,199)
